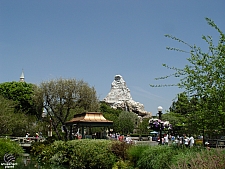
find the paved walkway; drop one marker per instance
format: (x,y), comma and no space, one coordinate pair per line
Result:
(150,143)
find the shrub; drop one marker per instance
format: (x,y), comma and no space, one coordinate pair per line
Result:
(120,149)
(79,154)
(155,157)
(134,153)
(10,147)
(121,165)
(204,159)
(91,154)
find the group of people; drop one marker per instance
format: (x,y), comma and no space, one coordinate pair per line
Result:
(121,138)
(179,140)
(165,139)
(37,135)
(185,140)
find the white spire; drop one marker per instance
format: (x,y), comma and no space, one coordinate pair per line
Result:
(22,77)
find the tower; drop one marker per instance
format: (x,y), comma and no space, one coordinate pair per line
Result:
(22,79)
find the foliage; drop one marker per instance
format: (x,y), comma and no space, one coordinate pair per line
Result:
(106,109)
(79,154)
(155,157)
(176,120)
(18,111)
(203,80)
(62,98)
(184,105)
(10,147)
(120,149)
(110,114)
(15,124)
(38,147)
(143,126)
(6,116)
(121,165)
(22,95)
(108,154)
(126,122)
(134,153)
(203,159)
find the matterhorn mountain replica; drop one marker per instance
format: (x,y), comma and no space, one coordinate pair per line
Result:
(120,97)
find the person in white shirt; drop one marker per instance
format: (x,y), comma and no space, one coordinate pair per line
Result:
(128,139)
(192,141)
(166,139)
(186,141)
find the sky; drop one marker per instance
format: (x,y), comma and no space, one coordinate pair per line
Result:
(94,40)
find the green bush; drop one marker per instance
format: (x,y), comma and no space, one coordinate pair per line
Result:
(42,151)
(134,153)
(10,147)
(120,149)
(91,154)
(88,154)
(155,157)
(121,165)
(79,154)
(174,157)
(203,159)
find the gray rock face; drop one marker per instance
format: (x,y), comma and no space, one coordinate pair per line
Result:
(120,97)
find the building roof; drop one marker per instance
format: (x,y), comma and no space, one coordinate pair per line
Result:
(90,119)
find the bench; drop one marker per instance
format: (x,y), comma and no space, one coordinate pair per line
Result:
(214,143)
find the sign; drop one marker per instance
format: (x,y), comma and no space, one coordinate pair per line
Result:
(9,160)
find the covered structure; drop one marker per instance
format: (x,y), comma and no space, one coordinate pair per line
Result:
(88,119)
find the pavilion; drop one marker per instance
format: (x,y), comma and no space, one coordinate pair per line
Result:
(88,119)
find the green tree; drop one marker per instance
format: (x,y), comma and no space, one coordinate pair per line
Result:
(15,124)
(177,121)
(22,95)
(203,79)
(6,116)
(143,126)
(181,105)
(110,114)
(126,122)
(62,98)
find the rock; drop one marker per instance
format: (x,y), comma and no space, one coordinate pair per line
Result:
(120,97)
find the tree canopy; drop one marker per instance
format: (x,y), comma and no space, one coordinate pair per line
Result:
(62,98)
(203,80)
(15,124)
(22,95)
(126,122)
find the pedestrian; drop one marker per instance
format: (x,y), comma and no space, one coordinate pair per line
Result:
(121,138)
(186,141)
(37,135)
(128,139)
(172,139)
(207,145)
(40,134)
(191,141)
(27,135)
(166,139)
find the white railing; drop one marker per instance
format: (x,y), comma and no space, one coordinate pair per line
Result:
(24,140)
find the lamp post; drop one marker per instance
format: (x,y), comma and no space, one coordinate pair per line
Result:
(160,130)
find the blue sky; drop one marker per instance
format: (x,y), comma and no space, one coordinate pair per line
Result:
(94,40)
